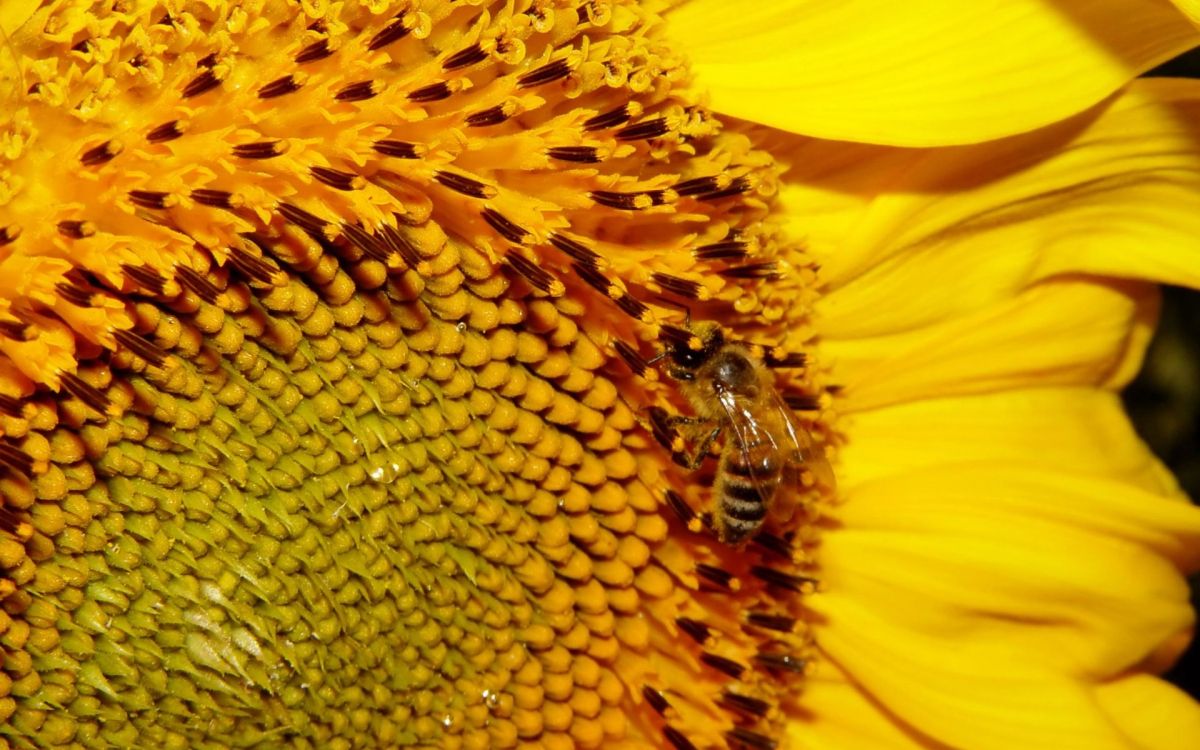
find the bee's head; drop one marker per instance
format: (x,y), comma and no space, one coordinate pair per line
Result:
(685,358)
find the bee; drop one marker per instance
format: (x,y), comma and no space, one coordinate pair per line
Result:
(731,392)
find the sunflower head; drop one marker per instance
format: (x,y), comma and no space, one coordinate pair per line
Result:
(325,402)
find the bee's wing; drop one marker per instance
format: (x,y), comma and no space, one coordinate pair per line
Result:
(807,455)
(749,431)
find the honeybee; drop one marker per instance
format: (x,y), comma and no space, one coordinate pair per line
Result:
(731,391)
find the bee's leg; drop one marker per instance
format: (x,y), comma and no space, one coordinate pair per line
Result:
(701,452)
(664,428)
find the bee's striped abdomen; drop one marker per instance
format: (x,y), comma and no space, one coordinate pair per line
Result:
(746,485)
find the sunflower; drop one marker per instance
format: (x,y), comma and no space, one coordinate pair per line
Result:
(330,413)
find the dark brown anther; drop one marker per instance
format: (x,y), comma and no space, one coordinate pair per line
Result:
(140,346)
(208,60)
(505,227)
(595,279)
(780,662)
(801,402)
(312,224)
(396,149)
(490,116)
(260,149)
(14,330)
(657,700)
(719,579)
(768,621)
(76,229)
(214,198)
(166,20)
(696,186)
(86,393)
(677,739)
(696,630)
(740,737)
(146,277)
(168,131)
(634,201)
(396,29)
(196,283)
(579,154)
(721,664)
(754,707)
(644,130)
(680,506)
(773,544)
(463,184)
(318,50)
(789,581)
(254,268)
(632,359)
(9,406)
(609,119)
(575,249)
(337,179)
(541,279)
(15,459)
(10,522)
(74,294)
(149,198)
(82,46)
(398,243)
(9,234)
(633,307)
(357,92)
(434,92)
(97,155)
(683,287)
(765,270)
(548,73)
(736,187)
(789,359)
(725,250)
(270,251)
(206,81)
(371,245)
(279,87)
(464,57)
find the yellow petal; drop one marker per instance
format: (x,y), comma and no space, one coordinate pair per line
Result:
(1110,192)
(976,602)
(930,684)
(838,715)
(1154,714)
(1078,431)
(14,13)
(927,72)
(1190,7)
(1066,332)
